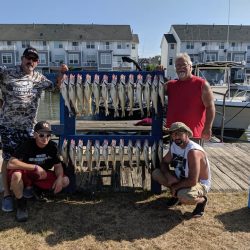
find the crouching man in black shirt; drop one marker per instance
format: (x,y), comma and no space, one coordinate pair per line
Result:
(35,163)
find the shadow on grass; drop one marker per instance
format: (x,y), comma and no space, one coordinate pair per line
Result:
(237,220)
(114,216)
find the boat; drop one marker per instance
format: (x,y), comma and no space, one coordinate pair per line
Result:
(232,117)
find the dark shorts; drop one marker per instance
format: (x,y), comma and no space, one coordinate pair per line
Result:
(11,139)
(31,178)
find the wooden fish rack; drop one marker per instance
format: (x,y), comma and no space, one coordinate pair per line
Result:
(67,127)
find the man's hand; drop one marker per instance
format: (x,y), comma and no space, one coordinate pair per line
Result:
(206,133)
(41,172)
(58,185)
(63,68)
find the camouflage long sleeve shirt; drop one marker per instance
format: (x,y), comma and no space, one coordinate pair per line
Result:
(21,94)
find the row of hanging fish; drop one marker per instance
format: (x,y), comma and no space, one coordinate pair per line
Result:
(82,157)
(121,95)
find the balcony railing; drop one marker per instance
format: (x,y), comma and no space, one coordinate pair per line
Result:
(73,48)
(7,47)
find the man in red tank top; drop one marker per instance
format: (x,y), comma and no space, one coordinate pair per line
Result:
(190,100)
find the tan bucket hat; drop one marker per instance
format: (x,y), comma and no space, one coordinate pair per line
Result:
(182,127)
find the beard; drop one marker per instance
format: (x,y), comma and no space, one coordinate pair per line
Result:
(179,142)
(182,75)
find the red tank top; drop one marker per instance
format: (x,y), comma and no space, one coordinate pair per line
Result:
(185,104)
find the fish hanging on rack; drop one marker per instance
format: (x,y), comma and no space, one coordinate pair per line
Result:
(160,151)
(80,92)
(130,153)
(88,94)
(72,92)
(89,155)
(131,93)
(162,90)
(64,151)
(72,152)
(114,94)
(146,153)
(138,153)
(96,93)
(121,152)
(147,93)
(80,154)
(113,153)
(154,155)
(65,94)
(139,88)
(105,153)
(97,154)
(154,94)
(122,94)
(105,94)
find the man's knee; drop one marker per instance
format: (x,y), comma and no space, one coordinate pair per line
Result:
(16,177)
(65,181)
(157,174)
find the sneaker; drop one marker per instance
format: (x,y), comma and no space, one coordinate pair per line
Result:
(7,204)
(173,201)
(22,212)
(200,208)
(28,193)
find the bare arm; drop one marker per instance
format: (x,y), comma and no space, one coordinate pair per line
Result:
(15,163)
(63,69)
(58,184)
(208,101)
(165,162)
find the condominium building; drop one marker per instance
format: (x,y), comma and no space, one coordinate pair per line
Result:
(206,43)
(80,46)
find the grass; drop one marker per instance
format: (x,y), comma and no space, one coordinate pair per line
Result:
(136,220)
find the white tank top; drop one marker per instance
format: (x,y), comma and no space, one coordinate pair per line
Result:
(180,162)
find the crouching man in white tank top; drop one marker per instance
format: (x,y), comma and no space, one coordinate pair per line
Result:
(185,170)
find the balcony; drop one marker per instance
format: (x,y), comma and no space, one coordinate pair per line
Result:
(73,48)
(105,47)
(7,47)
(89,64)
(209,48)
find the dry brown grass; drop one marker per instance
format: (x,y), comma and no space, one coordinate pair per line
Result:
(129,221)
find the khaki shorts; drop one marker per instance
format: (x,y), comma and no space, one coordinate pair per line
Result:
(192,193)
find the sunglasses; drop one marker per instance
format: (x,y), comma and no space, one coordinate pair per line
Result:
(31,58)
(44,135)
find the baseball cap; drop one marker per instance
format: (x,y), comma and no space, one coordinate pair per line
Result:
(43,126)
(180,126)
(31,52)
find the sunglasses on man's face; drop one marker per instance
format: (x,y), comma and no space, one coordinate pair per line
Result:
(31,58)
(44,135)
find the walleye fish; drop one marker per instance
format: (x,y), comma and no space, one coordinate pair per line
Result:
(72,92)
(65,94)
(162,90)
(131,93)
(146,153)
(97,154)
(72,152)
(153,155)
(80,153)
(89,155)
(121,152)
(138,153)
(105,94)
(139,86)
(147,93)
(64,151)
(154,94)
(160,151)
(122,94)
(114,95)
(113,153)
(130,153)
(87,95)
(80,92)
(96,92)
(105,153)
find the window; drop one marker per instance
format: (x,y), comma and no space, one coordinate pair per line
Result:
(170,62)
(211,57)
(42,59)
(90,45)
(121,45)
(234,44)
(204,44)
(133,46)
(239,57)
(75,44)
(58,45)
(91,60)
(221,46)
(73,58)
(105,58)
(7,58)
(9,43)
(189,45)
(25,44)
(248,46)
(248,59)
(171,46)
(59,58)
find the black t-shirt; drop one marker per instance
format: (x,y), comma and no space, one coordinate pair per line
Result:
(46,157)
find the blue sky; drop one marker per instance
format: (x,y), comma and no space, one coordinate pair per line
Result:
(150,19)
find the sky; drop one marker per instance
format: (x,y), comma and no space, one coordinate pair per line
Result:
(150,19)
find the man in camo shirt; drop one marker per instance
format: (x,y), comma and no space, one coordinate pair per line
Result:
(21,89)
